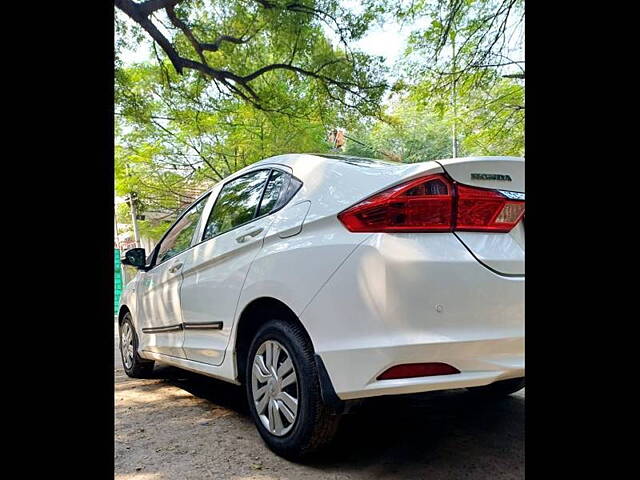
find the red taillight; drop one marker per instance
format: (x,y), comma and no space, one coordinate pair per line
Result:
(434,204)
(422,205)
(486,210)
(411,370)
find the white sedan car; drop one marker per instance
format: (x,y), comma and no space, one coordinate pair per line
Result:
(318,280)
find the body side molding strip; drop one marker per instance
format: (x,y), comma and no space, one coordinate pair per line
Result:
(184,326)
(168,328)
(203,326)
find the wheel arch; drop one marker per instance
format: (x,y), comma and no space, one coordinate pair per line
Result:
(254,314)
(122,312)
(252,317)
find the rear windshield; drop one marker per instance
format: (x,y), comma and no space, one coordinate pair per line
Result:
(359,161)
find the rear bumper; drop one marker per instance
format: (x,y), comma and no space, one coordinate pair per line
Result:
(354,372)
(411,298)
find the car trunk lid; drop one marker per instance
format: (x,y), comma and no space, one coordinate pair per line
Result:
(500,252)
(499,173)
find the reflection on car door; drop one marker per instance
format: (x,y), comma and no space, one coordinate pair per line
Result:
(232,237)
(159,290)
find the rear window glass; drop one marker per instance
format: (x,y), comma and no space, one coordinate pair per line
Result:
(273,191)
(358,161)
(236,204)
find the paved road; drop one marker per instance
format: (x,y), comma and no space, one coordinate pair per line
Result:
(180,425)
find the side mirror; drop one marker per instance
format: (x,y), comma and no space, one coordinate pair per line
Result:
(136,257)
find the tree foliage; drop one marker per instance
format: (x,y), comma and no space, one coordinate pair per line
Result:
(173,141)
(469,64)
(467,39)
(411,133)
(261,50)
(489,120)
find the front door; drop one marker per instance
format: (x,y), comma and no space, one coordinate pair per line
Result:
(159,290)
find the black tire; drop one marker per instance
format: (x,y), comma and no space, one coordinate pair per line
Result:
(140,367)
(499,389)
(314,426)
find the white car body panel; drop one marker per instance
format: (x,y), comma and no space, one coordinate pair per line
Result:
(367,300)
(159,296)
(381,308)
(503,253)
(460,169)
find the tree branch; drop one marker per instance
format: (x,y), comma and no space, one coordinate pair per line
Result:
(235,84)
(150,6)
(140,14)
(215,45)
(171,13)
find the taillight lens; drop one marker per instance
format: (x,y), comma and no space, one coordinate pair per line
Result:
(434,204)
(486,210)
(424,204)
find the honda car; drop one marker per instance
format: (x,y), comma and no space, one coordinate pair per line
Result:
(318,280)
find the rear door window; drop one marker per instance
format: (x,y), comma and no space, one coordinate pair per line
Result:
(236,204)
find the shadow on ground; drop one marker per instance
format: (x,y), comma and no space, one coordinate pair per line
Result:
(437,435)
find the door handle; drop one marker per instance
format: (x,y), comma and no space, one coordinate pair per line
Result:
(244,237)
(175,267)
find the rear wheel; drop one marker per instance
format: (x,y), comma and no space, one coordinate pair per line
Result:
(134,365)
(284,394)
(499,389)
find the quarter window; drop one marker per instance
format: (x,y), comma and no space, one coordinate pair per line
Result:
(179,237)
(273,190)
(236,204)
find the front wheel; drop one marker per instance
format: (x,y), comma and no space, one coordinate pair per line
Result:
(284,393)
(134,365)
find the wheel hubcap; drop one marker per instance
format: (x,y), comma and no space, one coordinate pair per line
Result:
(275,388)
(126,344)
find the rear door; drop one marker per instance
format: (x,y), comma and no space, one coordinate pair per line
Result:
(217,267)
(159,288)
(500,252)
